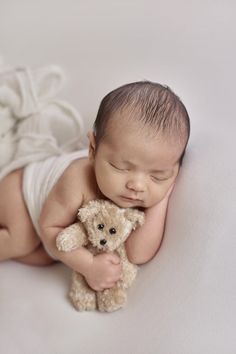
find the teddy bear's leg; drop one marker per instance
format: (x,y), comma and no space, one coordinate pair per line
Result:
(81,295)
(111,299)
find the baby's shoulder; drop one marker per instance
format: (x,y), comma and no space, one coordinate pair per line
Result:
(78,170)
(74,174)
(78,179)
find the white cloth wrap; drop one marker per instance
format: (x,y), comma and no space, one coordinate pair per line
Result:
(34,124)
(40,177)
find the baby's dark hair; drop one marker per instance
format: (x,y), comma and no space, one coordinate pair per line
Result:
(149,102)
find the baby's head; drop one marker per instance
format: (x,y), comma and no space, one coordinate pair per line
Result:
(139,140)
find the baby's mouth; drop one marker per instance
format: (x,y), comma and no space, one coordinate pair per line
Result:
(132,200)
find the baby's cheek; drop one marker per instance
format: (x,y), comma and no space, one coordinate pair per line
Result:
(163,190)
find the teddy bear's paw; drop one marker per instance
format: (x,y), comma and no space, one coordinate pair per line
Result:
(83,300)
(71,238)
(65,242)
(111,300)
(81,295)
(84,303)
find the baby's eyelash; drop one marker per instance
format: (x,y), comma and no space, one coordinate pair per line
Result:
(156,179)
(117,168)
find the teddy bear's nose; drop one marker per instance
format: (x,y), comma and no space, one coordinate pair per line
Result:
(103,242)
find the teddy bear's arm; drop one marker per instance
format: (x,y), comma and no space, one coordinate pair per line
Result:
(71,237)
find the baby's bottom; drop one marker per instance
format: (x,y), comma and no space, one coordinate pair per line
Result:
(38,257)
(18,239)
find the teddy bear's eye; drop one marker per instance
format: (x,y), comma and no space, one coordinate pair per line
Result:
(112,231)
(100,226)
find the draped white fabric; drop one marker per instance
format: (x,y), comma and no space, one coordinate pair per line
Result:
(34,123)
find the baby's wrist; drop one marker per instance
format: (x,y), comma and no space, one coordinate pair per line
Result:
(88,266)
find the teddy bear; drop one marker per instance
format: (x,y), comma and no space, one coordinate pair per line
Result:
(102,227)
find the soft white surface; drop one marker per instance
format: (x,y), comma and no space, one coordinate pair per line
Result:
(184,300)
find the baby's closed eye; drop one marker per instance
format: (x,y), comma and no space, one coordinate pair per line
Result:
(159,179)
(119,168)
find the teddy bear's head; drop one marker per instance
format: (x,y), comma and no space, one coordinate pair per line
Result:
(108,225)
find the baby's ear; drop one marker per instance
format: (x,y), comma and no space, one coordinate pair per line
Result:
(135,216)
(89,210)
(92,145)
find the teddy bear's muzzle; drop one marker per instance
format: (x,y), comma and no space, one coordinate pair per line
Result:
(103,242)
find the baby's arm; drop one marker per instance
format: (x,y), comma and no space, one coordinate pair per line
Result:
(59,211)
(144,242)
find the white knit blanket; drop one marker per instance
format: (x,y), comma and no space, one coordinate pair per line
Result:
(34,124)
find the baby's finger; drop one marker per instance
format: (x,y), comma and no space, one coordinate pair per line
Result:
(116,274)
(115,259)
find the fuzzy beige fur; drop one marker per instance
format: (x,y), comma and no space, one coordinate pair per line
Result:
(102,227)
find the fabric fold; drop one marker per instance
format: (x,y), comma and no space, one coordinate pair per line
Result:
(34,124)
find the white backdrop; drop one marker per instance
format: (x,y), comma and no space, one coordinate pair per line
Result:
(184,300)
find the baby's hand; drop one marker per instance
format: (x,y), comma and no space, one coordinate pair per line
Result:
(104,271)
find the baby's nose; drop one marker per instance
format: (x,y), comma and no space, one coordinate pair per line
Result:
(103,242)
(136,185)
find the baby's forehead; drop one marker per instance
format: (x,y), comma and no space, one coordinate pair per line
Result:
(134,126)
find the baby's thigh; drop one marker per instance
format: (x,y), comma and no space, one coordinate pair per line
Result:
(13,212)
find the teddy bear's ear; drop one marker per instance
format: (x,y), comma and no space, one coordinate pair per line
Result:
(89,210)
(135,216)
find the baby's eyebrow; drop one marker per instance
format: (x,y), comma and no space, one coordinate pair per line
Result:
(159,171)
(162,172)
(152,171)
